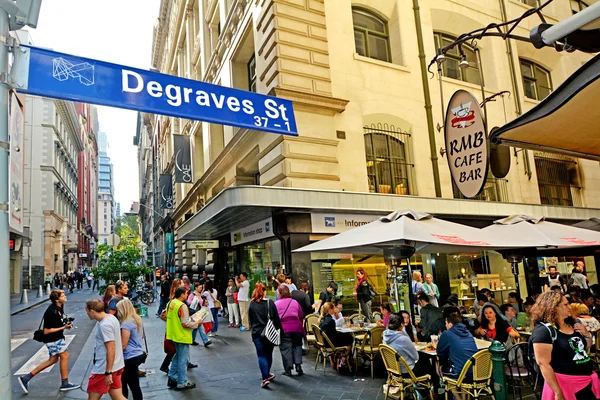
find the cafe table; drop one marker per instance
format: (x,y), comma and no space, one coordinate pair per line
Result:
(421,346)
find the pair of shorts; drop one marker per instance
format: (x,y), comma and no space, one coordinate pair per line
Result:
(96,383)
(55,348)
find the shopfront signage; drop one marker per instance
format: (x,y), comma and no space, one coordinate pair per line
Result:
(183,159)
(338,223)
(169,243)
(64,76)
(202,244)
(82,255)
(467,149)
(254,232)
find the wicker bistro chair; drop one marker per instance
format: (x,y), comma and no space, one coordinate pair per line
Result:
(480,384)
(326,349)
(392,361)
(309,321)
(376,315)
(369,348)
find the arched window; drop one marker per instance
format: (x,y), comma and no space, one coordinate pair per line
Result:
(451,67)
(388,160)
(371,35)
(536,80)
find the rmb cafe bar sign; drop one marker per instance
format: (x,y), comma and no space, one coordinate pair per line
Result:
(467,147)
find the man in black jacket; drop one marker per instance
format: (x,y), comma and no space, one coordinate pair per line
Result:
(432,318)
(165,291)
(54,338)
(301,296)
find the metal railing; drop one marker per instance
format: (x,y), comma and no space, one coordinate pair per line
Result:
(495,190)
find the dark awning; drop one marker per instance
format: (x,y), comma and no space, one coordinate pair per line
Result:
(567,121)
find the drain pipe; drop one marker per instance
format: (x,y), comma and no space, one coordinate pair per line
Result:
(513,78)
(427,96)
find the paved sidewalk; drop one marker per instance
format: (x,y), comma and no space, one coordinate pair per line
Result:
(229,367)
(16,306)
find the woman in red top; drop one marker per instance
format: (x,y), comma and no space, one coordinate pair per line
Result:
(494,327)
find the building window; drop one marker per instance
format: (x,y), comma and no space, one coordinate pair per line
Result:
(558,180)
(252,74)
(532,3)
(578,5)
(371,35)
(536,80)
(389,166)
(451,67)
(494,189)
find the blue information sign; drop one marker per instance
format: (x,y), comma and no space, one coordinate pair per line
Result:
(67,77)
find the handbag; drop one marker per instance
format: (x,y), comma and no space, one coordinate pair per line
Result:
(235,297)
(38,335)
(217,302)
(145,354)
(270,333)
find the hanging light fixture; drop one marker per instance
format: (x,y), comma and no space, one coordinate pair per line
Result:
(440,57)
(463,61)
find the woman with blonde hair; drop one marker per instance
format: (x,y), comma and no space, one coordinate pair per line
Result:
(108,294)
(560,345)
(132,333)
(581,313)
(417,287)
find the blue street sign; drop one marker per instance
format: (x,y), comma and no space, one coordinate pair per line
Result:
(67,77)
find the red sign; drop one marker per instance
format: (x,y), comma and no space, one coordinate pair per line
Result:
(11,244)
(459,240)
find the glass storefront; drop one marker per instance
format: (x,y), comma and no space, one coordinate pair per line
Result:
(262,262)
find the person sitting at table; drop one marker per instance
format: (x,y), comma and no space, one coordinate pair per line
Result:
(479,303)
(395,337)
(340,320)
(494,327)
(511,315)
(328,327)
(581,313)
(409,329)
(432,318)
(386,311)
(516,301)
(455,345)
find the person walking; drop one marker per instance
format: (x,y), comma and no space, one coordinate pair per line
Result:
(243,286)
(96,281)
(431,290)
(302,297)
(132,336)
(232,304)
(121,289)
(179,331)
(165,290)
(260,311)
(54,339)
(291,316)
(109,363)
(195,302)
(363,292)
(108,295)
(560,347)
(211,295)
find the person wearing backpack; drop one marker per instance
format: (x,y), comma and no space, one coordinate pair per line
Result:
(364,293)
(560,346)
(54,338)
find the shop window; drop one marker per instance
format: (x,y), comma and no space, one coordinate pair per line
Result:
(451,67)
(536,80)
(262,262)
(558,180)
(252,74)
(371,36)
(389,165)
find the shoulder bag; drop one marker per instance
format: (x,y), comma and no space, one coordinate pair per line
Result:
(38,335)
(270,332)
(145,354)
(217,302)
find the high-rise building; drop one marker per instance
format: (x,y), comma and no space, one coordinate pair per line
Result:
(118,210)
(106,193)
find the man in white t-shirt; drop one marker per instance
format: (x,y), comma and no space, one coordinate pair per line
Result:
(243,288)
(108,362)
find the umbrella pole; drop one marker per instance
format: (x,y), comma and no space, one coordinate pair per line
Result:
(515,270)
(410,293)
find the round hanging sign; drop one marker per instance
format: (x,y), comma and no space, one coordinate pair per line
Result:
(467,147)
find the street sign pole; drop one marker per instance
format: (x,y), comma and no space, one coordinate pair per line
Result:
(5,331)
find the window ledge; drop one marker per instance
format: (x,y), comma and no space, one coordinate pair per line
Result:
(358,57)
(531,101)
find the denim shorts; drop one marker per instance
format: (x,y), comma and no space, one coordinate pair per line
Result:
(60,346)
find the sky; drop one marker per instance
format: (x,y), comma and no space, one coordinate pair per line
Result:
(108,30)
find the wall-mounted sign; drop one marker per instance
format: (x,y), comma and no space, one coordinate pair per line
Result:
(15,177)
(251,233)
(467,148)
(82,255)
(202,244)
(166,191)
(183,159)
(169,243)
(338,223)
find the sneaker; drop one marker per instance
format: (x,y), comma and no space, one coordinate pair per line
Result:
(207,343)
(210,334)
(271,377)
(192,365)
(188,385)
(195,343)
(171,383)
(24,384)
(264,383)
(230,326)
(165,370)
(236,326)
(243,329)
(65,387)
